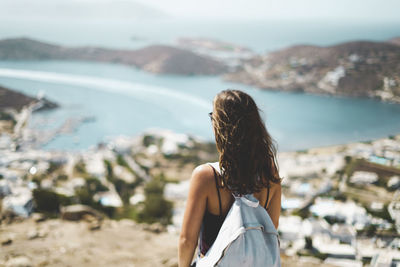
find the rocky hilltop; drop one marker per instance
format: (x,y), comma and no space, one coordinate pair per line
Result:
(56,242)
(59,242)
(154,58)
(14,107)
(356,69)
(10,99)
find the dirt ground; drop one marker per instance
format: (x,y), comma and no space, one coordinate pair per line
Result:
(56,242)
(64,243)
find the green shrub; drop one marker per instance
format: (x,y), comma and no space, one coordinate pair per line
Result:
(340,196)
(155,186)
(303,213)
(94,185)
(53,166)
(4,116)
(148,140)
(351,166)
(62,177)
(110,174)
(332,219)
(370,230)
(308,241)
(155,207)
(49,201)
(348,159)
(128,212)
(124,189)
(383,214)
(84,196)
(121,161)
(80,167)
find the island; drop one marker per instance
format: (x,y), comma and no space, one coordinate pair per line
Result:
(354,69)
(154,58)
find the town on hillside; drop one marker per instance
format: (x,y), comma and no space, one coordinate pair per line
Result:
(340,204)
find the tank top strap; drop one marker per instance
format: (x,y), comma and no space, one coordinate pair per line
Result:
(266,202)
(216,186)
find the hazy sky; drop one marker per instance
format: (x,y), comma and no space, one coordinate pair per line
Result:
(281,9)
(365,10)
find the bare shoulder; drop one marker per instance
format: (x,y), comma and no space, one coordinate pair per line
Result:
(202,175)
(276,187)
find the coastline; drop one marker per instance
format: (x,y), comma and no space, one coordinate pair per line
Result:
(341,147)
(102,198)
(352,68)
(23,115)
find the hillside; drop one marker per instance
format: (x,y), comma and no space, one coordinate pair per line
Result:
(62,243)
(395,41)
(66,243)
(155,58)
(356,69)
(10,99)
(12,103)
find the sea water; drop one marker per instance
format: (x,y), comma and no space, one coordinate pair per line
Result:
(127,101)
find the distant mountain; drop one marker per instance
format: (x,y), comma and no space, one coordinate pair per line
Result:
(76,9)
(155,58)
(355,69)
(395,41)
(358,69)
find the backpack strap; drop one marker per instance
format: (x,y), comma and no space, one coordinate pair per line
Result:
(216,185)
(266,202)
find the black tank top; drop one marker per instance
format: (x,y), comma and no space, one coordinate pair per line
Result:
(212,223)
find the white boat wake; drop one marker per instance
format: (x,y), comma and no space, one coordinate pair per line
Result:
(109,85)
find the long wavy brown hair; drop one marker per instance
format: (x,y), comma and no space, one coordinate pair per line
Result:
(247,153)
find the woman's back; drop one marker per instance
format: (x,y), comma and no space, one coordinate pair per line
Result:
(247,158)
(227,198)
(220,200)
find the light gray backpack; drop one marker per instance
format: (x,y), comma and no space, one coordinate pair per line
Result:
(246,238)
